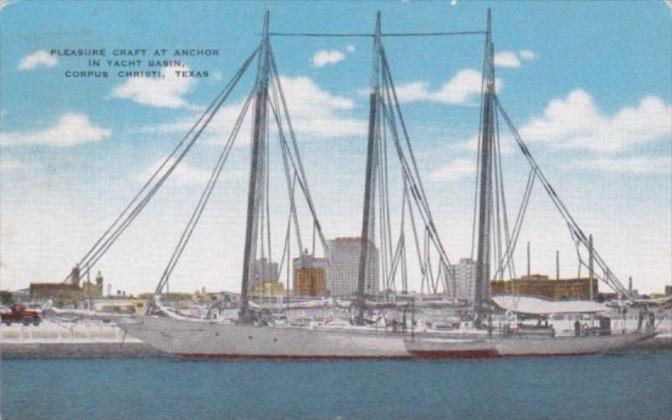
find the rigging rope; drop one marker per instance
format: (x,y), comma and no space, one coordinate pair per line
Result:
(101,246)
(205,197)
(288,178)
(410,170)
(296,160)
(609,278)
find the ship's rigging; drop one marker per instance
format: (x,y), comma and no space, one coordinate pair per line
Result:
(494,238)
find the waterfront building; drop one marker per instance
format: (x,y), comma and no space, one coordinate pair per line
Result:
(541,286)
(343,272)
(310,276)
(130,306)
(268,289)
(65,294)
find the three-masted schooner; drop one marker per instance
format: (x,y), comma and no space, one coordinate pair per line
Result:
(250,336)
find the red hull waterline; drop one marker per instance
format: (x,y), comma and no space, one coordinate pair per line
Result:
(490,354)
(593,353)
(192,356)
(417,355)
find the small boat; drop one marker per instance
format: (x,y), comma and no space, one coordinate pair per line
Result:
(436,348)
(426,348)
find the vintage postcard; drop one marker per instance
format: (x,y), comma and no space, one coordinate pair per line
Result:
(335,210)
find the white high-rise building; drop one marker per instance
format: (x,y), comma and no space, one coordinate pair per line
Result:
(465,274)
(343,273)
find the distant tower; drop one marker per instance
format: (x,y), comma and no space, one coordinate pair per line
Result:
(109,290)
(528,261)
(75,275)
(630,284)
(557,265)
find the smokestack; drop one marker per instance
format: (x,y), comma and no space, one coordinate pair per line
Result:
(528,260)
(630,284)
(557,265)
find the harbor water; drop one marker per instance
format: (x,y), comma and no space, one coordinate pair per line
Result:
(627,386)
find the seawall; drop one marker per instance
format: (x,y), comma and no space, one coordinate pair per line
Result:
(76,350)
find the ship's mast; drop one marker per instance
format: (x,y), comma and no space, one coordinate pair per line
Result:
(485,160)
(257,171)
(368,213)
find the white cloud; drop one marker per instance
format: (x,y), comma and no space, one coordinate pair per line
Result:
(464,86)
(70,130)
(513,59)
(9,163)
(457,169)
(576,122)
(5,3)
(506,144)
(38,58)
(508,59)
(318,113)
(408,92)
(183,175)
(315,113)
(217,75)
(526,54)
(630,165)
(323,58)
(160,93)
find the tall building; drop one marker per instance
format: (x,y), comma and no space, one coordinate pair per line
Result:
(465,272)
(265,271)
(343,272)
(310,276)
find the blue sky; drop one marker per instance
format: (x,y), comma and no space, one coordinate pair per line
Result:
(588,85)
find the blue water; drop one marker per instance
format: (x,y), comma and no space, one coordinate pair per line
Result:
(633,386)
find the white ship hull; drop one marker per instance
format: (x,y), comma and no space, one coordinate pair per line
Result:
(522,346)
(204,340)
(566,346)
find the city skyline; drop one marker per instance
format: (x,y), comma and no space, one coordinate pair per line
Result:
(592,102)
